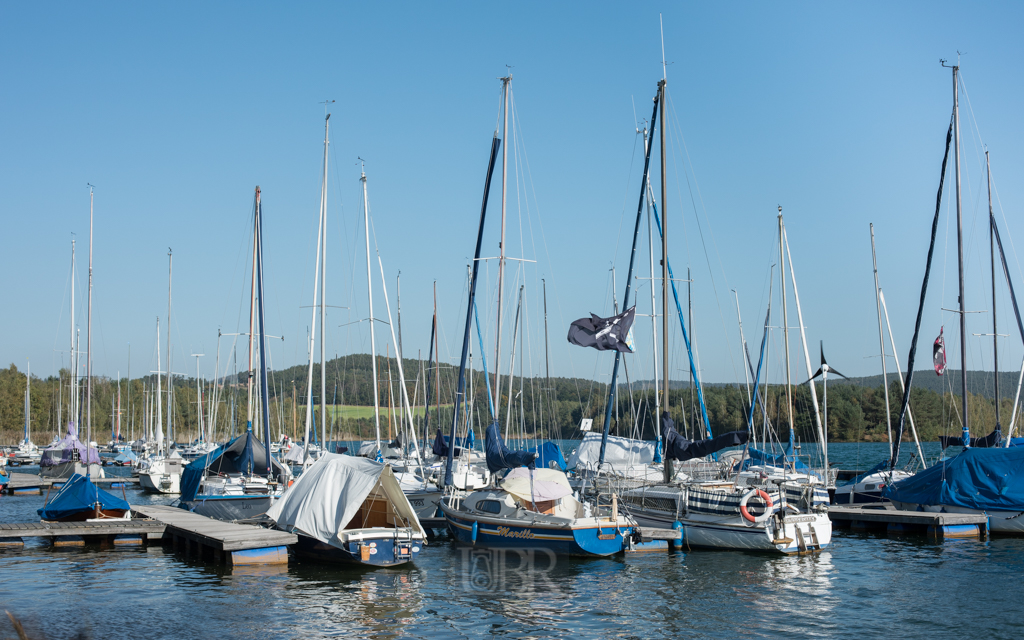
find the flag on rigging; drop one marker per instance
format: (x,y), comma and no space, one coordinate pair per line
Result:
(604,334)
(939,353)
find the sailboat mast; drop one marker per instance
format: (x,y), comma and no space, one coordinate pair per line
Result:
(369,292)
(501,246)
(88,347)
(264,399)
(73,398)
(881,338)
(664,269)
(547,361)
(170,265)
(159,395)
(992,254)
(960,259)
(28,396)
(785,334)
(323,288)
(252,320)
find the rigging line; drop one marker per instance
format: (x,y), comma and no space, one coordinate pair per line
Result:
(1007,228)
(64,297)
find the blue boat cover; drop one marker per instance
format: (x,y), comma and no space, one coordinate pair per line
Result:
(547,453)
(245,454)
(501,457)
(77,495)
(984,479)
(440,447)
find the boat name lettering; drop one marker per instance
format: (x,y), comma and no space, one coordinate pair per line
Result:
(509,533)
(800,519)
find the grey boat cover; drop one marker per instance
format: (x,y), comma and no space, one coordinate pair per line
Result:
(326,497)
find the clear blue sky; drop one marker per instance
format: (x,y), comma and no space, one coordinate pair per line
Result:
(176,112)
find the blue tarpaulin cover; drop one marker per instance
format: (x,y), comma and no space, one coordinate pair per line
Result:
(501,457)
(245,454)
(984,479)
(77,495)
(758,457)
(547,453)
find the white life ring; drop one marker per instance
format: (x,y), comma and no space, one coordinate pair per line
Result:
(767,508)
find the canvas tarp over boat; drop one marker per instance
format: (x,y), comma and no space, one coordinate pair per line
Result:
(245,454)
(77,495)
(984,479)
(64,450)
(330,492)
(620,451)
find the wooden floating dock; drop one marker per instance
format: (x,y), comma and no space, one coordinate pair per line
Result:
(31,484)
(195,535)
(883,516)
(223,542)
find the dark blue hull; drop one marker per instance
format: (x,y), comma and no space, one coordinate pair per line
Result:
(378,552)
(591,541)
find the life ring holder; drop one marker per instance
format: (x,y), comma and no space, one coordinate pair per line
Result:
(763,495)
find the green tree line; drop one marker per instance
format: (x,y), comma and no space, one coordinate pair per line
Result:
(540,408)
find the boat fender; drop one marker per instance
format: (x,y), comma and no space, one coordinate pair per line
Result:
(472,534)
(767,508)
(678,526)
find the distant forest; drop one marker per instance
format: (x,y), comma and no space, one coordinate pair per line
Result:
(540,408)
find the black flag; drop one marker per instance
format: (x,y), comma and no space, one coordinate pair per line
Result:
(604,334)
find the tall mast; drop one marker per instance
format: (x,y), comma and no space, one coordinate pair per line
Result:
(398,300)
(470,307)
(323,291)
(73,402)
(664,270)
(547,361)
(960,259)
(785,334)
(28,397)
(199,400)
(170,411)
(252,318)
(117,435)
(501,246)
(654,301)
(992,254)
(88,348)
(265,413)
(129,394)
(369,292)
(159,400)
(743,353)
(881,339)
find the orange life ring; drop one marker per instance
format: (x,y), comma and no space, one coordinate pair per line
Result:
(767,508)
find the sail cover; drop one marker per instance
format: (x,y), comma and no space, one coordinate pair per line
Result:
(537,485)
(330,493)
(245,454)
(501,457)
(77,495)
(604,334)
(679,448)
(984,479)
(64,450)
(993,439)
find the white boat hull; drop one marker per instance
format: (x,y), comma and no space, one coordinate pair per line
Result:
(160,482)
(728,532)
(65,470)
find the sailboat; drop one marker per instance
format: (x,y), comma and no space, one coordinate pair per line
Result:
(352,510)
(241,479)
(988,479)
(80,498)
(713,506)
(163,470)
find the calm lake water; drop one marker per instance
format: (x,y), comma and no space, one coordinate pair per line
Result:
(865,586)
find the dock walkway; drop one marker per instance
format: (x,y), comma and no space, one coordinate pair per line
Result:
(224,541)
(885,516)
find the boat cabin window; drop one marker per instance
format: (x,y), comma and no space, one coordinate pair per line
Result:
(488,506)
